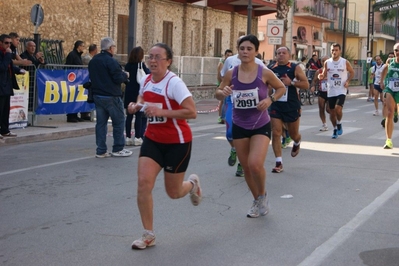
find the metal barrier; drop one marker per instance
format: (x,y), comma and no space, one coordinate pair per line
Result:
(32,86)
(52,49)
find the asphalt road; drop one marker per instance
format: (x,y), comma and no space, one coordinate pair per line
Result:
(61,206)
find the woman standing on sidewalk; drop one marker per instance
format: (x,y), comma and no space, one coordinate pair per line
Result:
(251,121)
(167,103)
(131,93)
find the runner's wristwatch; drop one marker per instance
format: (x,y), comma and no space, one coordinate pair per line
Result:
(272,98)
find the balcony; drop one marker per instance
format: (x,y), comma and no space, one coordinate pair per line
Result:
(384,31)
(352,26)
(317,11)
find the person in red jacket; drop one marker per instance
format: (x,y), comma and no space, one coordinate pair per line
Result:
(314,63)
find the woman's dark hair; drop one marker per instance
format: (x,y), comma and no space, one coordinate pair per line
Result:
(252,39)
(77,44)
(168,50)
(136,55)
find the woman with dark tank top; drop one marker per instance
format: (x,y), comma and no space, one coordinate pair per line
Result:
(248,85)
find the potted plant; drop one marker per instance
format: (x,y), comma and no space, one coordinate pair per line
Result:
(306,8)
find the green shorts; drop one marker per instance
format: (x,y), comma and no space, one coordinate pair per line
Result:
(395,94)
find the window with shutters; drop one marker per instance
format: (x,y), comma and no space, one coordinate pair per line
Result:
(167,37)
(217,51)
(123,33)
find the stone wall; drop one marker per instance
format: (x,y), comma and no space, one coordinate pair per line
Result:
(90,20)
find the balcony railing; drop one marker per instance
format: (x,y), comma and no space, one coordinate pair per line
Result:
(352,26)
(319,9)
(385,29)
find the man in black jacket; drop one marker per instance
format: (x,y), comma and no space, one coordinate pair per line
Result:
(36,58)
(106,76)
(8,82)
(74,58)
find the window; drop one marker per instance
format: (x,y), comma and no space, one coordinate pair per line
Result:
(123,33)
(217,50)
(167,36)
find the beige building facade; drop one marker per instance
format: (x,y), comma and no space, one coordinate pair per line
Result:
(191,29)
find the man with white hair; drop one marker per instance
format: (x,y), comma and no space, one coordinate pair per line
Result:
(106,76)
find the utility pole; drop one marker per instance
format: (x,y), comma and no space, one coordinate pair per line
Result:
(131,40)
(344,30)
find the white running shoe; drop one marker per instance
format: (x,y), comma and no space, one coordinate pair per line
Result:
(196,192)
(376,113)
(254,211)
(324,128)
(263,202)
(138,141)
(147,240)
(122,153)
(128,141)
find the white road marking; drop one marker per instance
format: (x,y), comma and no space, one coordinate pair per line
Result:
(345,232)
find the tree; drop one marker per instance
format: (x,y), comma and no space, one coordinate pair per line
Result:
(283,7)
(388,15)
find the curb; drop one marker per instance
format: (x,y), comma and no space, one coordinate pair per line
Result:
(55,135)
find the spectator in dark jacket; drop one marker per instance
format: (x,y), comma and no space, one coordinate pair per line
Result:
(8,82)
(74,58)
(106,76)
(36,58)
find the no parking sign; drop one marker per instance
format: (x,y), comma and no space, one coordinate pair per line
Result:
(275,28)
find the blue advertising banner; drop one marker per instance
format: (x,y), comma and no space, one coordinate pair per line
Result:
(61,91)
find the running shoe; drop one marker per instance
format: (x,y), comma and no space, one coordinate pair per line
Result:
(122,153)
(383,122)
(254,211)
(138,141)
(263,203)
(278,168)
(388,144)
(295,150)
(104,155)
(147,240)
(395,117)
(334,135)
(128,141)
(196,192)
(376,113)
(232,158)
(239,172)
(220,120)
(324,128)
(288,140)
(283,143)
(339,129)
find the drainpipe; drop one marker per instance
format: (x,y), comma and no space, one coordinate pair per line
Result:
(131,41)
(109,17)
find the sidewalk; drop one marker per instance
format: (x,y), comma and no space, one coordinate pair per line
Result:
(53,130)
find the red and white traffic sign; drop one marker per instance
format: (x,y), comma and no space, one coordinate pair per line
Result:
(275,28)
